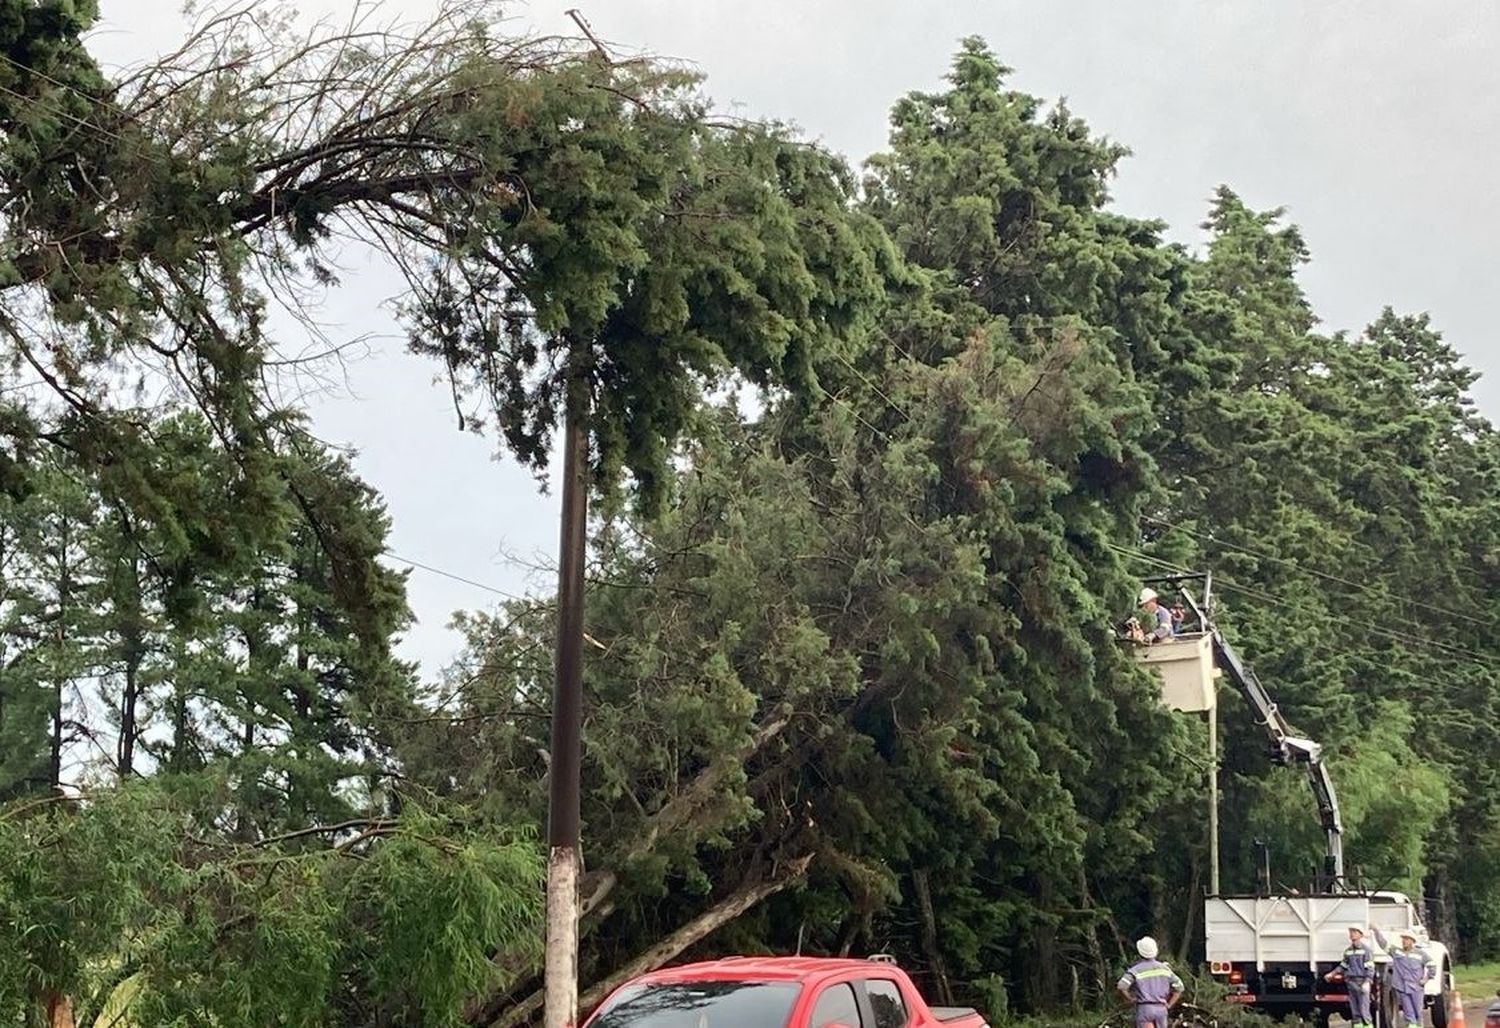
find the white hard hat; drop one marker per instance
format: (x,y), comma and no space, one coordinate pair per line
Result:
(1410,933)
(1147,595)
(1147,946)
(1357,928)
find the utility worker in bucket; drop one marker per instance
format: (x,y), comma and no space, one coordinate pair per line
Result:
(1411,967)
(1158,619)
(1358,969)
(1151,986)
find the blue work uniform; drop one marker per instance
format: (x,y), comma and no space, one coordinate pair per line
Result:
(1410,969)
(1358,967)
(1163,629)
(1150,983)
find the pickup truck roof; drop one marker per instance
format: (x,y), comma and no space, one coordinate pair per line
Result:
(771,969)
(808,976)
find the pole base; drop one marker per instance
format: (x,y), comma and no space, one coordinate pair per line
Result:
(561,977)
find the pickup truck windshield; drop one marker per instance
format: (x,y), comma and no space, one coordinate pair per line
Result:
(700,1005)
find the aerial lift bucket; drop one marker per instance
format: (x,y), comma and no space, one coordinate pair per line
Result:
(1185,665)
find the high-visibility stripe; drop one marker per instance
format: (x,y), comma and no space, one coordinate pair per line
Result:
(1154,972)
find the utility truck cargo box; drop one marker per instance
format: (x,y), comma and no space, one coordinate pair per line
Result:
(1302,932)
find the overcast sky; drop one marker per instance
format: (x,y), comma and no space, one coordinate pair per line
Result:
(1374,122)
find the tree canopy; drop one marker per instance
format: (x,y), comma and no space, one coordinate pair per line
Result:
(853,682)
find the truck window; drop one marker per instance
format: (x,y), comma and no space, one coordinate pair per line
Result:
(886,1002)
(701,1005)
(836,1005)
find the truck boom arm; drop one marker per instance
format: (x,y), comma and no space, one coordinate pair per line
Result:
(1290,750)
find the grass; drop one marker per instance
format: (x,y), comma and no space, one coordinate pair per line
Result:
(1476,981)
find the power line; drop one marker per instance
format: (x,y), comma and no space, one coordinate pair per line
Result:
(457,578)
(904,414)
(1481,660)
(1141,555)
(1169,567)
(1203,534)
(58,112)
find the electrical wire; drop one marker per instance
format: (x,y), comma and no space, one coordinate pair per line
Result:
(1480,660)
(906,416)
(455,577)
(1204,535)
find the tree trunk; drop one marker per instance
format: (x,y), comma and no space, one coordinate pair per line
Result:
(126,756)
(922,886)
(700,927)
(1444,922)
(133,653)
(1045,987)
(60,681)
(59,1010)
(1096,950)
(1190,921)
(177,761)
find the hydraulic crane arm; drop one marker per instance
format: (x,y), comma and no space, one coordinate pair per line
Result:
(1290,750)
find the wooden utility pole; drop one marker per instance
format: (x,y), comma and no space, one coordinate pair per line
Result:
(560,1008)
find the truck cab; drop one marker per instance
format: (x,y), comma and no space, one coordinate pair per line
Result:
(1393,912)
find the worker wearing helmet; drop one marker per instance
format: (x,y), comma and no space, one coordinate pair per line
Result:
(1411,967)
(1358,969)
(1151,986)
(1158,618)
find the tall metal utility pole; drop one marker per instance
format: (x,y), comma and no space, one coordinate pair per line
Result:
(564,804)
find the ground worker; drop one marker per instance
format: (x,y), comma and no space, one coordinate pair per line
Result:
(1158,618)
(1358,969)
(1151,986)
(1411,967)
(1493,1013)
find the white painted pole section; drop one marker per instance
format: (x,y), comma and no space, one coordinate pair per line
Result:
(561,1006)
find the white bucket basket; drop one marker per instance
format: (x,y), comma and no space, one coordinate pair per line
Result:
(1186,668)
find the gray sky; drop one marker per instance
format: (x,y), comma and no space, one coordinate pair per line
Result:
(1373,121)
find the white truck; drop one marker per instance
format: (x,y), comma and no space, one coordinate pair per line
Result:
(1273,950)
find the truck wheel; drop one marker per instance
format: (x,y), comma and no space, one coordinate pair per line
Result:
(1388,1009)
(1440,1008)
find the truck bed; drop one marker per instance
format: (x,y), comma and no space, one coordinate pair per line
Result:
(1280,931)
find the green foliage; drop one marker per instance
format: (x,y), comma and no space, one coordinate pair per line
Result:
(873,630)
(865,634)
(75,880)
(428,911)
(662,253)
(1477,980)
(396,920)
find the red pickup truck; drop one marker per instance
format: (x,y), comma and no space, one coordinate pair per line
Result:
(776,992)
